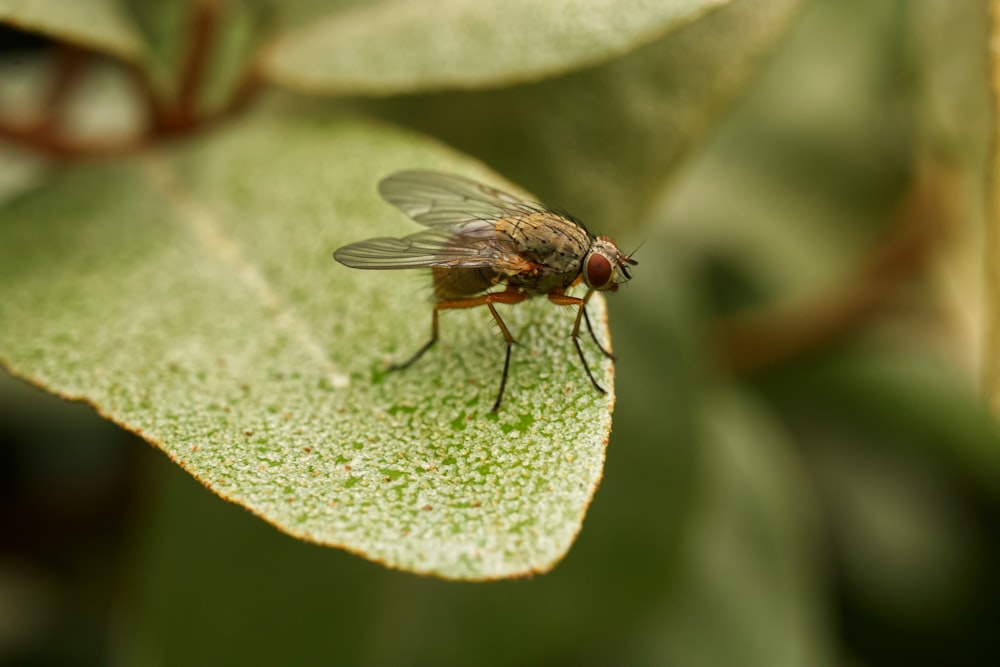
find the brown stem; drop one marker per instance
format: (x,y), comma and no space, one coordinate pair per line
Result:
(746,343)
(70,65)
(202,28)
(45,131)
(166,117)
(57,146)
(169,117)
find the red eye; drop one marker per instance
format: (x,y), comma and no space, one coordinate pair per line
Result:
(598,271)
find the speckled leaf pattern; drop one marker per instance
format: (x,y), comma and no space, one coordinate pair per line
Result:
(415,45)
(192,298)
(96,24)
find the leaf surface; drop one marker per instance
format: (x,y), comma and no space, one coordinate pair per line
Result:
(604,142)
(192,299)
(392,47)
(97,24)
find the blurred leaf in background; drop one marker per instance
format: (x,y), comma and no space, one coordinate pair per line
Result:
(800,470)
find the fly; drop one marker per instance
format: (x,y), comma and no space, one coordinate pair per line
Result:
(479,240)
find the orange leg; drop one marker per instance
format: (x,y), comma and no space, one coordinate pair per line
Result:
(509,296)
(557,297)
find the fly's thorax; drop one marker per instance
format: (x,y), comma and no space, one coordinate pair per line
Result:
(551,240)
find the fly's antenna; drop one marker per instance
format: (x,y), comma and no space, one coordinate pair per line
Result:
(631,255)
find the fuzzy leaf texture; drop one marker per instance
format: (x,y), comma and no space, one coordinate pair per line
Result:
(191,297)
(97,24)
(392,47)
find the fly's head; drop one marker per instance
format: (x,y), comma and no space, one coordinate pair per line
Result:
(606,267)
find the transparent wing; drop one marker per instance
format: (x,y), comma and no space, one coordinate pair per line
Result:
(447,201)
(476,247)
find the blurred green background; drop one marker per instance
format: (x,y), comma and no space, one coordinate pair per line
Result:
(800,470)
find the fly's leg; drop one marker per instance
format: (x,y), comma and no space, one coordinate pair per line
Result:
(506,361)
(510,296)
(586,318)
(426,346)
(561,299)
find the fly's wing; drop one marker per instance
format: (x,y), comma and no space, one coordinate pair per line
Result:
(462,216)
(476,246)
(447,201)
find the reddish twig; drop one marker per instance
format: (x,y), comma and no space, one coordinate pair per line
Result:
(746,343)
(70,65)
(57,146)
(184,113)
(181,114)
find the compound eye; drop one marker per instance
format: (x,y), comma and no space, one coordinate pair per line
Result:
(598,271)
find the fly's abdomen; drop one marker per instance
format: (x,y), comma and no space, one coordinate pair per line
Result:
(456,283)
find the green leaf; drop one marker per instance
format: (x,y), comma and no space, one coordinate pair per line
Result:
(748,588)
(192,299)
(165,27)
(394,47)
(19,172)
(230,33)
(289,14)
(96,24)
(102,107)
(908,547)
(605,142)
(901,393)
